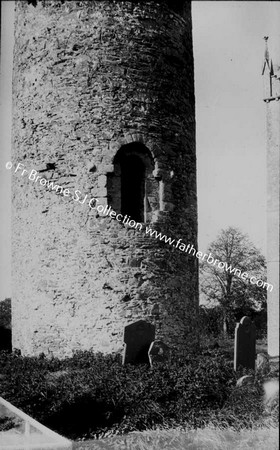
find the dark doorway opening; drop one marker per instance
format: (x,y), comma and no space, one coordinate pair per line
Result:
(132,187)
(132,190)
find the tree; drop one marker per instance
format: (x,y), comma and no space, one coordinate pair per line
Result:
(221,283)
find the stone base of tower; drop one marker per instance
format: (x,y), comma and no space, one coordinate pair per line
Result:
(104,277)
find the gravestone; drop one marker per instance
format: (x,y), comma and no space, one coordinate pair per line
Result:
(137,338)
(246,380)
(158,352)
(245,344)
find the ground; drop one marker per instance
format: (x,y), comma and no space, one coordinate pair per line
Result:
(206,439)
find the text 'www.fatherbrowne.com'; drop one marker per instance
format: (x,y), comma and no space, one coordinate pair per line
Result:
(94,204)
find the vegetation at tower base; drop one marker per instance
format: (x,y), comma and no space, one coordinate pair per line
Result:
(96,87)
(89,394)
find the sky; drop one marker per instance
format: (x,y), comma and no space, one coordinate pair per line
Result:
(230,119)
(230,114)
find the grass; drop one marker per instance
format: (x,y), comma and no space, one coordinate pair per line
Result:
(176,439)
(184,404)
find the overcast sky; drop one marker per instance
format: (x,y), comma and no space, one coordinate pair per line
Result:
(230,116)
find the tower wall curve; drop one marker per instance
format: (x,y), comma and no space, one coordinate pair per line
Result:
(92,81)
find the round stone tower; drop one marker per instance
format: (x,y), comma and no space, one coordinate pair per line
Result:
(103,157)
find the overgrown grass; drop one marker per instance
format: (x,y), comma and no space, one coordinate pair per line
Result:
(91,395)
(207,438)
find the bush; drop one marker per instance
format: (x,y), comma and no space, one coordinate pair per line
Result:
(89,394)
(211,321)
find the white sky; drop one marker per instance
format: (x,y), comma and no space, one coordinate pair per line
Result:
(230,115)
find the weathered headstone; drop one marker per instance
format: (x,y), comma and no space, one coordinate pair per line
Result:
(262,364)
(158,352)
(137,338)
(245,344)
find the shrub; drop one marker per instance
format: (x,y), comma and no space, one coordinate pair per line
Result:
(210,320)
(88,394)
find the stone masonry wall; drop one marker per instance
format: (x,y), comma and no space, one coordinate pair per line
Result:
(90,77)
(272,99)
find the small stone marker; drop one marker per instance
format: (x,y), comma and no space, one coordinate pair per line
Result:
(158,352)
(246,380)
(245,344)
(262,364)
(137,338)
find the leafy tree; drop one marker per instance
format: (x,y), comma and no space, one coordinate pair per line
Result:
(224,286)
